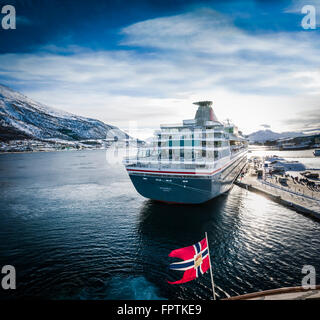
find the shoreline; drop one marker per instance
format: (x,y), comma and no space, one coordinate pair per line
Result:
(256,148)
(47,151)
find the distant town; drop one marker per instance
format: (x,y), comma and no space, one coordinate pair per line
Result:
(34,145)
(37,145)
(310,141)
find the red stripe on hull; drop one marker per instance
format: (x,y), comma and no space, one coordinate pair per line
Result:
(175,172)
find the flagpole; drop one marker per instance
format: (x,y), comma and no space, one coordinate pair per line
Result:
(213,290)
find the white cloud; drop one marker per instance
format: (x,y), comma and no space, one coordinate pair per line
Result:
(296,7)
(252,79)
(207,31)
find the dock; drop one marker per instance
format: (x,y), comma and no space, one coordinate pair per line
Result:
(297,196)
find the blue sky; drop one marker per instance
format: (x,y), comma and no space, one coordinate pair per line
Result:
(138,63)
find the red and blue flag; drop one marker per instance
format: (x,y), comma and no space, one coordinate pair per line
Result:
(195,261)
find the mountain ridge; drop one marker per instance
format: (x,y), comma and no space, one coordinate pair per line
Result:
(269,135)
(24,118)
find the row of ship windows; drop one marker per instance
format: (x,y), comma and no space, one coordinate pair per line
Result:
(187,154)
(191,143)
(195,130)
(157,150)
(195,135)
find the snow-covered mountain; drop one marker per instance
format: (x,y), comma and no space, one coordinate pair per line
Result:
(23,118)
(268,135)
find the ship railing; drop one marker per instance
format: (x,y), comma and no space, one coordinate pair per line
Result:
(155,159)
(190,148)
(188,131)
(171,125)
(195,139)
(172,164)
(303,195)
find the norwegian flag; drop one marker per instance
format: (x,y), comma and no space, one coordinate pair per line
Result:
(195,261)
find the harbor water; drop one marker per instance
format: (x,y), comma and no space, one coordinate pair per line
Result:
(74,227)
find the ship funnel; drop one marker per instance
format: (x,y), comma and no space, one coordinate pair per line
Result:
(204,113)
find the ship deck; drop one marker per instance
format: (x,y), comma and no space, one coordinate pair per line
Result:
(291,293)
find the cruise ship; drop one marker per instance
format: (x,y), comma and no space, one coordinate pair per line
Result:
(191,162)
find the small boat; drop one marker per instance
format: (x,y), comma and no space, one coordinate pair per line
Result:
(293,146)
(316,152)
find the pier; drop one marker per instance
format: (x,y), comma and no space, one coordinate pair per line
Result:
(283,188)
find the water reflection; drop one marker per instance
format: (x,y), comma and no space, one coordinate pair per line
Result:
(176,222)
(163,227)
(85,233)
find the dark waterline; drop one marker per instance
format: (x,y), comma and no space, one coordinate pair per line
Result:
(74,227)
